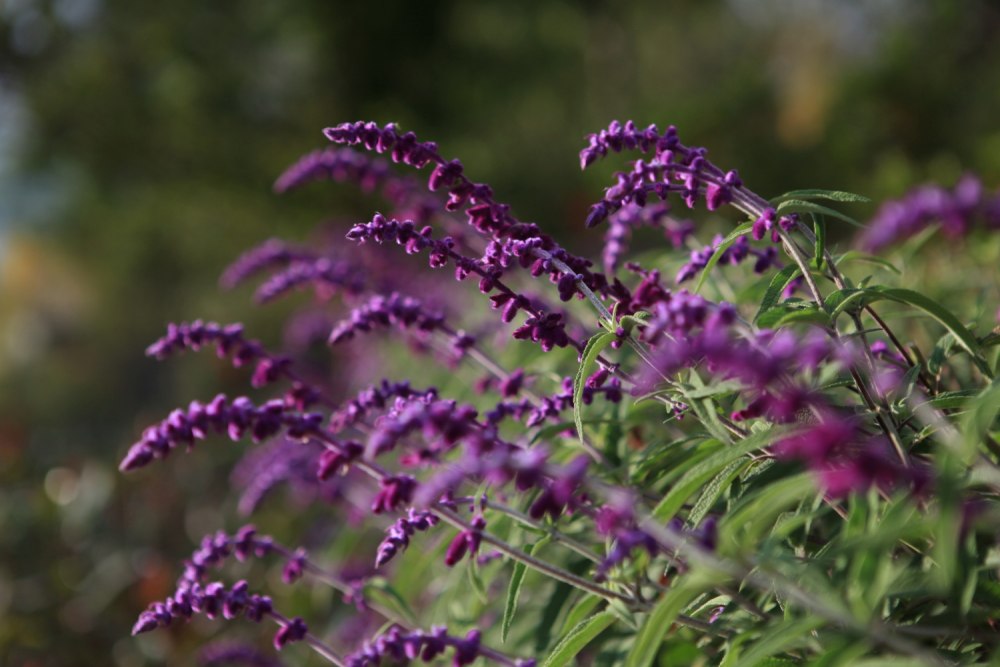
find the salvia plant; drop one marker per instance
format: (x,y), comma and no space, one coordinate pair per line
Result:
(739,450)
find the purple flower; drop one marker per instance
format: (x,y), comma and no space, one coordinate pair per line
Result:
(733,255)
(845,459)
(395,490)
(228,341)
(235,654)
(326,276)
(392,310)
(467,541)
(212,600)
(272,252)
(622,223)
(486,215)
(398,535)
(957,211)
(402,647)
(292,631)
(236,418)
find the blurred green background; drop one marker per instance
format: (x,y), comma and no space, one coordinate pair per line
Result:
(139,141)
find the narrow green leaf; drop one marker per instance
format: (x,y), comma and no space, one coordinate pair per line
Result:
(801,206)
(514,590)
(741,230)
(797,313)
(699,475)
(778,284)
(593,349)
(581,610)
(948,400)
(977,421)
(778,639)
(811,315)
(657,624)
(858,256)
(381,591)
(830,195)
(714,489)
(582,634)
(477,581)
(704,409)
(964,337)
(819,248)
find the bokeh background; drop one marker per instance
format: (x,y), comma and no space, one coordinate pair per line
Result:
(139,142)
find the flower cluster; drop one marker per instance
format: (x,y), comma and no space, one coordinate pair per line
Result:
(611,500)
(234,418)
(398,535)
(395,310)
(403,647)
(211,600)
(957,211)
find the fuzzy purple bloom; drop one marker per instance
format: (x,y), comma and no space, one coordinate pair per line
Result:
(326,276)
(227,653)
(957,211)
(269,254)
(393,310)
(398,535)
(403,647)
(293,631)
(212,600)
(236,418)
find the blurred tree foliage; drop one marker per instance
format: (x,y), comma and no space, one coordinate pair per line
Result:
(143,137)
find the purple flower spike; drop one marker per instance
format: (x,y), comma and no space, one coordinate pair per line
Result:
(957,211)
(211,600)
(395,490)
(326,276)
(235,654)
(271,253)
(467,541)
(402,647)
(398,535)
(220,416)
(392,310)
(293,631)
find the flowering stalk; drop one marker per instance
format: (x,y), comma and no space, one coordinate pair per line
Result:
(667,508)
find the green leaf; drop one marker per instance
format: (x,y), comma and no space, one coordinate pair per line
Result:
(582,634)
(593,349)
(858,256)
(514,590)
(810,315)
(819,248)
(830,195)
(380,591)
(714,465)
(741,230)
(963,336)
(949,400)
(779,639)
(657,624)
(801,206)
(477,581)
(714,490)
(783,314)
(977,421)
(777,286)
(704,409)
(581,610)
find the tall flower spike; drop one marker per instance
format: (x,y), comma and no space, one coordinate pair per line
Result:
(236,418)
(325,276)
(212,600)
(228,341)
(484,213)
